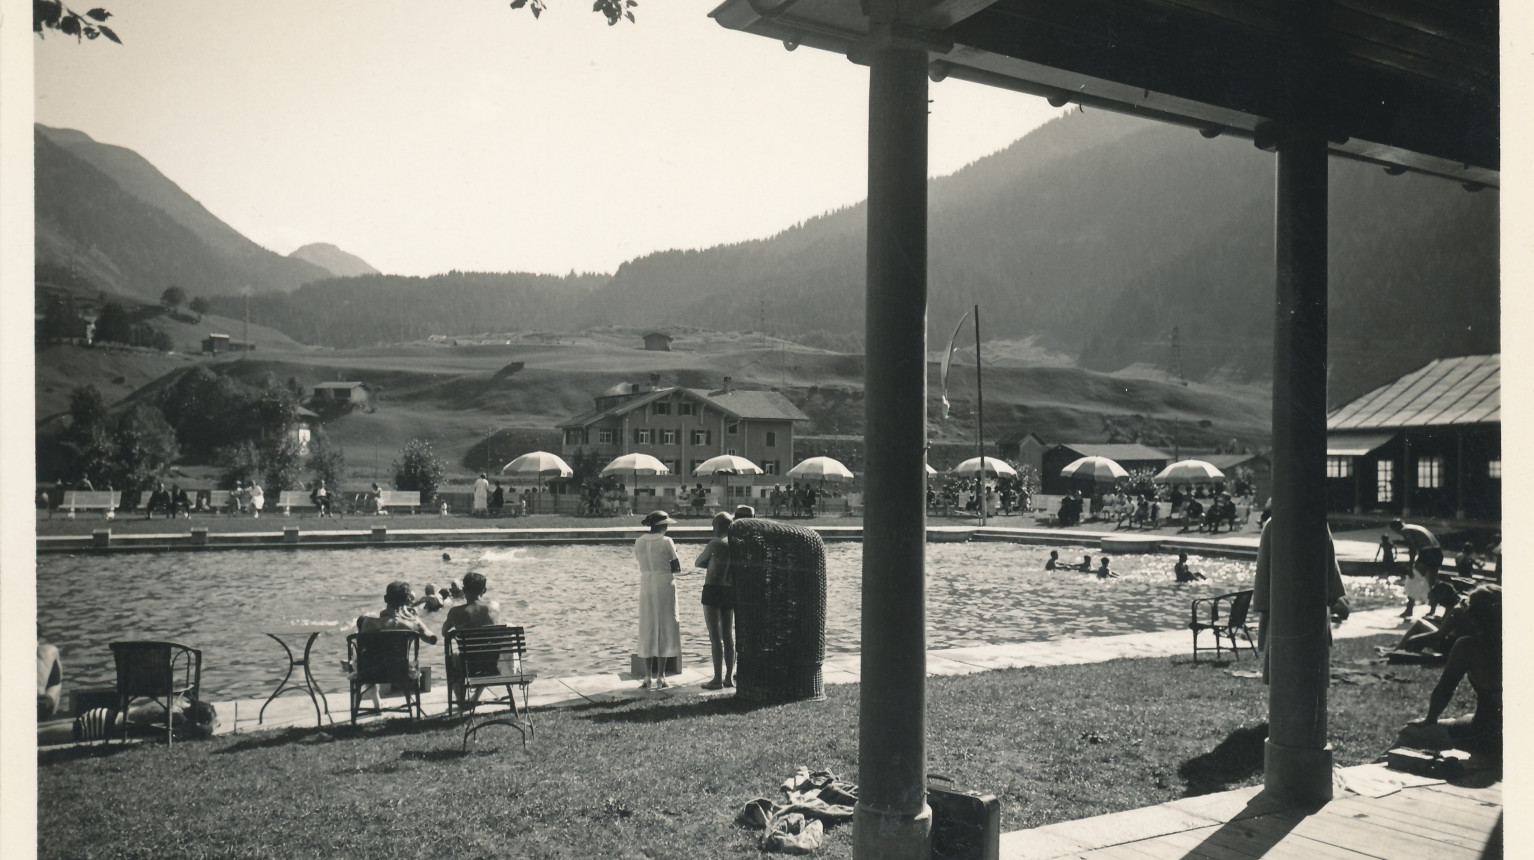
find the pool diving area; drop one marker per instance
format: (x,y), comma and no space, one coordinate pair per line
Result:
(578,603)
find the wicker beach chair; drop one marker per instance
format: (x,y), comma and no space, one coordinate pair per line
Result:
(162,672)
(386,657)
(780,610)
(1225,616)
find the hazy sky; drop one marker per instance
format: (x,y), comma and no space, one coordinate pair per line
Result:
(462,134)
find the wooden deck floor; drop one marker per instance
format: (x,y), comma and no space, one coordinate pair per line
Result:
(1379,815)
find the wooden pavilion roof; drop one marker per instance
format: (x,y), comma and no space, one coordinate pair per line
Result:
(1408,84)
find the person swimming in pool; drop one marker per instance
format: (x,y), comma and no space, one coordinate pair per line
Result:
(1183,572)
(1086,564)
(1102,570)
(1054,560)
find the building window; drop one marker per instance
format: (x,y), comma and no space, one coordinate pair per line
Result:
(1429,472)
(693,469)
(662,407)
(730,451)
(732,428)
(1385,480)
(644,436)
(702,437)
(772,439)
(604,435)
(686,408)
(671,465)
(1339,467)
(668,437)
(1494,468)
(770,467)
(572,437)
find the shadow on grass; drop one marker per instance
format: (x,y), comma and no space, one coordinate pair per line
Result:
(64,755)
(341,731)
(1237,757)
(660,713)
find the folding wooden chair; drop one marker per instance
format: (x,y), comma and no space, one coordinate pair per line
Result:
(482,657)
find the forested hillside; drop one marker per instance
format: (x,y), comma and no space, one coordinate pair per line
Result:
(371,309)
(110,216)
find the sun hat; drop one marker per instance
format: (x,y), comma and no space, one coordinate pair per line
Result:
(744,511)
(657,518)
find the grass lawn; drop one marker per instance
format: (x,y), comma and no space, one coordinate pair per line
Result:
(665,777)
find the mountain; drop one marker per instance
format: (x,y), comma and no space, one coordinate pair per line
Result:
(334,260)
(106,216)
(1099,234)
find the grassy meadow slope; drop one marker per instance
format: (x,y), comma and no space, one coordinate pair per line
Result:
(480,408)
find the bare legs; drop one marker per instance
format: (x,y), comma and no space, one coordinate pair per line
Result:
(655,676)
(721,640)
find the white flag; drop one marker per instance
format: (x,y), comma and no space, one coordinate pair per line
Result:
(947,360)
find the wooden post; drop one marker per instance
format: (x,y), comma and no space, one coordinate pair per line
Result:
(1298,760)
(892,820)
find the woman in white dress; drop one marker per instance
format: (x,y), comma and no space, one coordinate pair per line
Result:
(481,495)
(660,635)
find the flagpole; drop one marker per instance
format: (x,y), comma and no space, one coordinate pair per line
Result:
(979,417)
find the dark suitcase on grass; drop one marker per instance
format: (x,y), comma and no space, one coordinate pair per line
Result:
(965,825)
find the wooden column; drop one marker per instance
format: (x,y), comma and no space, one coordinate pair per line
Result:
(1298,765)
(891,820)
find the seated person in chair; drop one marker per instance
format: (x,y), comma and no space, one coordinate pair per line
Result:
(471,614)
(397,614)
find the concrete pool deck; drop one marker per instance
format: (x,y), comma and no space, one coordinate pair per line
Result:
(295,710)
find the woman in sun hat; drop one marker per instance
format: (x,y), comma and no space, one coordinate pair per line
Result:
(660,635)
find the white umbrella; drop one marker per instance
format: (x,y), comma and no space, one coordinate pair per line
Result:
(992,468)
(821,469)
(538,465)
(1190,472)
(636,465)
(930,471)
(1094,469)
(727,465)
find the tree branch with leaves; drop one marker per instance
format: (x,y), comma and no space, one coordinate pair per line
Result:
(54,15)
(613,10)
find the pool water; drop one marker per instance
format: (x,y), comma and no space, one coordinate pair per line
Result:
(578,603)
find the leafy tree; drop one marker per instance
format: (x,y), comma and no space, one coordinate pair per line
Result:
(241,462)
(161,341)
(145,447)
(89,440)
(276,409)
(54,15)
(327,461)
(418,468)
(112,324)
(209,411)
(198,306)
(173,297)
(614,10)
(281,465)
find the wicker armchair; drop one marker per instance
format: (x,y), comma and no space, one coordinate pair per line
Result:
(780,610)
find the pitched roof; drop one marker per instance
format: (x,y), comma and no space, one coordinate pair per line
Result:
(751,404)
(1226,461)
(1463,390)
(1114,451)
(346,385)
(748,405)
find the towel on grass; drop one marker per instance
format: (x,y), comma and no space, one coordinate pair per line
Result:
(811,801)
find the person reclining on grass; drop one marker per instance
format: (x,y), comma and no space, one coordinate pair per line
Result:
(1437,635)
(1477,655)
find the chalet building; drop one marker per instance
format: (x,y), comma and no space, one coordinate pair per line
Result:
(1130,456)
(1428,445)
(331,393)
(215,343)
(682,427)
(657,341)
(1025,449)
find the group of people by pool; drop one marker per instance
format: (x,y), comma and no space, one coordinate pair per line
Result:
(1193,508)
(1182,571)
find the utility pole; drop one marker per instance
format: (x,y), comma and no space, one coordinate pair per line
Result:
(245,336)
(1177,357)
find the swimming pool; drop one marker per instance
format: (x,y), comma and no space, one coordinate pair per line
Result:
(577,602)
